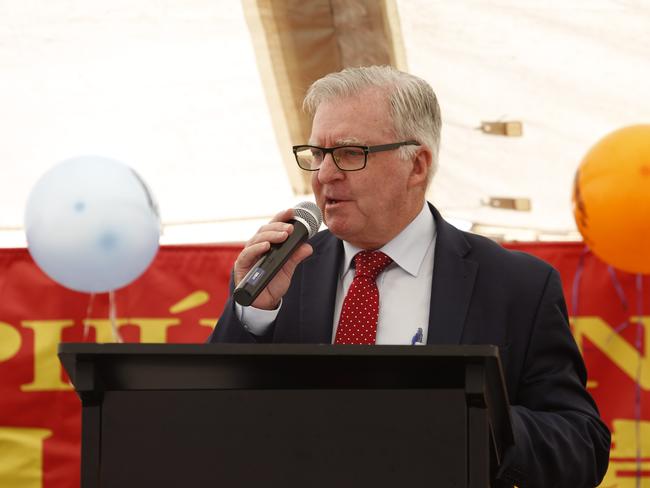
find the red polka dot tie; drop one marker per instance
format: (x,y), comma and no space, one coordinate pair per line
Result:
(358,321)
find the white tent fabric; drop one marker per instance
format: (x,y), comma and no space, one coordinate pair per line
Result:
(572,71)
(173,89)
(170,88)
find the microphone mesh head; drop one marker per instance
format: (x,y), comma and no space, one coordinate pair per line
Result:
(311,214)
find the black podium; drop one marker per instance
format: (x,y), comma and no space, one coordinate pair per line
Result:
(232,415)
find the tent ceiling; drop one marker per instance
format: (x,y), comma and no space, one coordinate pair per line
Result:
(176,89)
(572,71)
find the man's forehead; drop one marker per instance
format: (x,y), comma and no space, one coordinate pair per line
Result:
(363,119)
(351,132)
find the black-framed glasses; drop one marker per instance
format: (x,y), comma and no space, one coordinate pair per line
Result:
(346,158)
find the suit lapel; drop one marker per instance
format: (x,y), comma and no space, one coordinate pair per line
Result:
(452,284)
(318,292)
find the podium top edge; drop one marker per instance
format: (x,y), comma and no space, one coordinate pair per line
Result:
(66,348)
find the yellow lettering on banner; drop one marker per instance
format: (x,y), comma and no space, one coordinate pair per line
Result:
(151,330)
(21,462)
(615,347)
(208,323)
(9,341)
(47,368)
(623,467)
(193,300)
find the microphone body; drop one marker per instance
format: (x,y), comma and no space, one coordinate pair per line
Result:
(306,221)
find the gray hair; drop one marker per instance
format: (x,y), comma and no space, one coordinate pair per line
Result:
(414,106)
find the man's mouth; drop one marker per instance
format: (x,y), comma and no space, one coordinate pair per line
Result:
(332,201)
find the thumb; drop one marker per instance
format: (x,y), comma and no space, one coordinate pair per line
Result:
(302,253)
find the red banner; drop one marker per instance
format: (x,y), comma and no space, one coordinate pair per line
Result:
(610,320)
(178,300)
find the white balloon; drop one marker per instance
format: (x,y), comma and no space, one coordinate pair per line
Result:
(92,224)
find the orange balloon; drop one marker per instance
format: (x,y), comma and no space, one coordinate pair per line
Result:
(611,199)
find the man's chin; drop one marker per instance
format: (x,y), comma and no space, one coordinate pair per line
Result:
(337,225)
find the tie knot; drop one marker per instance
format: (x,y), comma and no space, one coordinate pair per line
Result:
(370,263)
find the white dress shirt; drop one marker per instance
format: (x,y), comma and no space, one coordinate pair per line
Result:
(404,287)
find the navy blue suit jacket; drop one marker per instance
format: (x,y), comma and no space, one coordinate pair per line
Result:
(481,293)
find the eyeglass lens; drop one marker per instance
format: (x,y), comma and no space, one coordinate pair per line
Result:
(346,157)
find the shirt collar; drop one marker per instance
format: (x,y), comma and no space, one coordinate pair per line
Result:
(407,249)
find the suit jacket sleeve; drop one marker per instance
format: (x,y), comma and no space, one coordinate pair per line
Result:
(230,329)
(560,440)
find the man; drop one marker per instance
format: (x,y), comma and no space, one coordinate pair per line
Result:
(372,152)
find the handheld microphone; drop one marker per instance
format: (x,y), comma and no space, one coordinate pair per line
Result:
(306,221)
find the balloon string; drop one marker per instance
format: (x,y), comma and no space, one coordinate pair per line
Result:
(112,314)
(637,393)
(575,293)
(617,287)
(89,311)
(621,296)
(577,278)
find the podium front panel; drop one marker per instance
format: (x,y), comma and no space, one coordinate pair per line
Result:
(290,438)
(290,415)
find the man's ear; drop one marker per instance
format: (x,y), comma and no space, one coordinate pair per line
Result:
(421,167)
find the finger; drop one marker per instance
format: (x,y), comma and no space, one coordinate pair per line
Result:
(283,216)
(274,226)
(250,254)
(302,253)
(274,236)
(280,283)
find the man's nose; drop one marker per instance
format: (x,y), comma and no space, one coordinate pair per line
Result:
(328,170)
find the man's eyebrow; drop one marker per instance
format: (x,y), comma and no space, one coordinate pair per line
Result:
(342,142)
(348,141)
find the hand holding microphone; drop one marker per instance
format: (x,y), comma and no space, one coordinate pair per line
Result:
(264,268)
